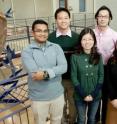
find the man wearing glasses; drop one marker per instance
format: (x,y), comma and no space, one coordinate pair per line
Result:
(106,39)
(45,63)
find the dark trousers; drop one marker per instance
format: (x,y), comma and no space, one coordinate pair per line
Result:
(104,100)
(69,102)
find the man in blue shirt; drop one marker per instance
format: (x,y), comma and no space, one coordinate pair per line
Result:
(45,63)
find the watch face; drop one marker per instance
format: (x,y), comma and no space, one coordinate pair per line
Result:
(3,31)
(46,75)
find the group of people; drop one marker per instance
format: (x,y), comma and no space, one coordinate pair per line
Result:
(66,67)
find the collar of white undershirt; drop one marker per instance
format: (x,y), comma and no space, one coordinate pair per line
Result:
(68,33)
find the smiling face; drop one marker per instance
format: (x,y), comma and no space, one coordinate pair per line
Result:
(63,21)
(103,18)
(87,42)
(40,33)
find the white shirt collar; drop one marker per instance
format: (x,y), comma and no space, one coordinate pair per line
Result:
(68,33)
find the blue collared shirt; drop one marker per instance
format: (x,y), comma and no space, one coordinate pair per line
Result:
(48,58)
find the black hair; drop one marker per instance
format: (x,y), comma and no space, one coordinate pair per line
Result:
(38,22)
(61,10)
(94,55)
(104,8)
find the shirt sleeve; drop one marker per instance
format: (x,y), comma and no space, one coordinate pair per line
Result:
(101,71)
(100,79)
(61,64)
(74,71)
(28,61)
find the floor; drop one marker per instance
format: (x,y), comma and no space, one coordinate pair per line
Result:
(26,115)
(23,117)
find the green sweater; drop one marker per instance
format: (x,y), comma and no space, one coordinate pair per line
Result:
(87,78)
(68,44)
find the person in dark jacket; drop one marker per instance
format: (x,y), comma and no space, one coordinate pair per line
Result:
(87,75)
(112,78)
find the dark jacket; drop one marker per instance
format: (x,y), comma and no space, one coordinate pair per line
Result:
(112,78)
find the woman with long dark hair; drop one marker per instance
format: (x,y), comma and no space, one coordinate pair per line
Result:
(87,76)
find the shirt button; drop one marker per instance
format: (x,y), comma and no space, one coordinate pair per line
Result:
(86,74)
(85,60)
(100,34)
(91,74)
(90,66)
(86,66)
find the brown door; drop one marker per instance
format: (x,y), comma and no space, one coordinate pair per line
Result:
(111,114)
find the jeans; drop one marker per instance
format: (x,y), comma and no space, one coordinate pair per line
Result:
(83,114)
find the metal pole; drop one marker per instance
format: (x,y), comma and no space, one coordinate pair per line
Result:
(86,114)
(12,6)
(35,8)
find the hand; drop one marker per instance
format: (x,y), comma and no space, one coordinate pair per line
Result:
(38,75)
(114,103)
(91,98)
(88,98)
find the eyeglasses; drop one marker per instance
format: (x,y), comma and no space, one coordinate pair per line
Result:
(89,39)
(41,31)
(104,17)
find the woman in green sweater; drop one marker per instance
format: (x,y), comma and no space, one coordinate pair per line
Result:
(87,76)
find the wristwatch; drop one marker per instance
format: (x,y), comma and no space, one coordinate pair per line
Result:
(46,75)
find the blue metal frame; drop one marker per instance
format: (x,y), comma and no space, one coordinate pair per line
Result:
(12,81)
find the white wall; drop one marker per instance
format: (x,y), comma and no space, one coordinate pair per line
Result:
(44,8)
(25,8)
(112,4)
(73,5)
(55,5)
(4,6)
(90,6)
